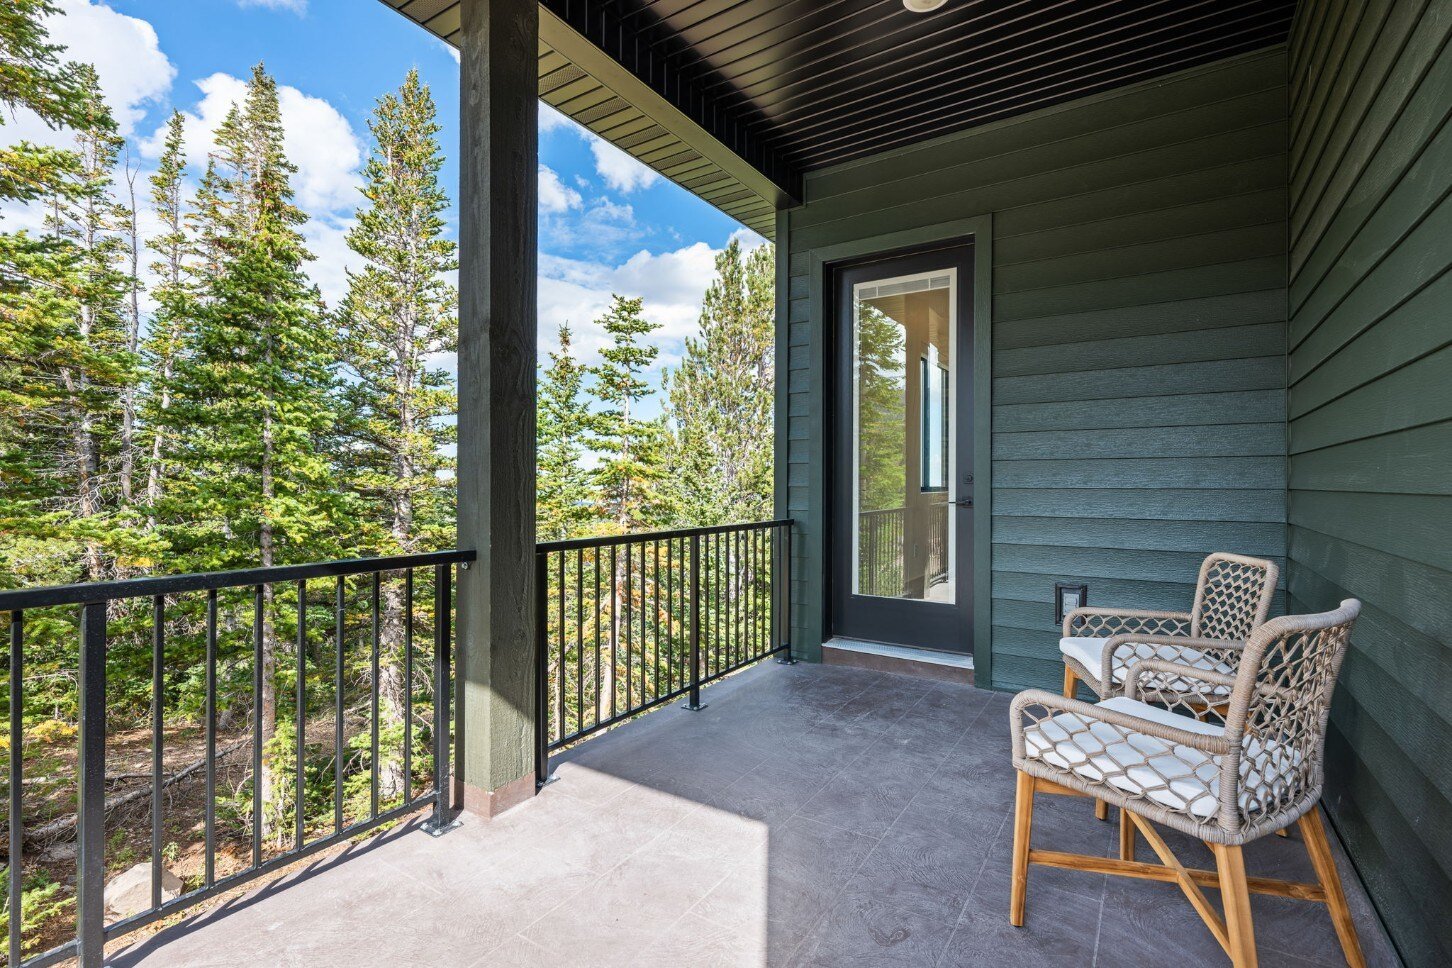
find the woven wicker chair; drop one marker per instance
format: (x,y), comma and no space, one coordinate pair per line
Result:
(1232,596)
(1152,753)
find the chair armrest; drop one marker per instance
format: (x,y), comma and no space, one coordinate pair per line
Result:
(1178,687)
(1091,621)
(1036,705)
(1126,650)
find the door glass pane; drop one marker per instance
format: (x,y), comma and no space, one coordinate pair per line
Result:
(903,337)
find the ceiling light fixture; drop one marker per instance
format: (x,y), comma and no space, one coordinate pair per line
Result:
(923,6)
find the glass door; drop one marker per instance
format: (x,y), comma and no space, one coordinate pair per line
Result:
(903,464)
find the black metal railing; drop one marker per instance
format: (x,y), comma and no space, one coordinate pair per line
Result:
(630,622)
(880,539)
(226,624)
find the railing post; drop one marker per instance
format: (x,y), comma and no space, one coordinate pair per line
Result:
(694,582)
(786,598)
(91,792)
(541,669)
(443,617)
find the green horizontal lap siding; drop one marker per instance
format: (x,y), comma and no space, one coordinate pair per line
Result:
(1139,338)
(1370,430)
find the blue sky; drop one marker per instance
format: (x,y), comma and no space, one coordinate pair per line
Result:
(607,223)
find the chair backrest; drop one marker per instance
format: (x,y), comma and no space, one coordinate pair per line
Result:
(1233,596)
(1278,713)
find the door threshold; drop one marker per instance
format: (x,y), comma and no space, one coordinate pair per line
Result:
(901,660)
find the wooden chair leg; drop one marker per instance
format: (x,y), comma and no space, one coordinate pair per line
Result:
(1313,832)
(1023,821)
(1126,835)
(1101,810)
(1235,894)
(1071,681)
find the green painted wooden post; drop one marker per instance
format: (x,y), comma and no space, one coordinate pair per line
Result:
(497,349)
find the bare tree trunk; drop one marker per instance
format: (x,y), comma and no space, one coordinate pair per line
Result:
(133,335)
(272,805)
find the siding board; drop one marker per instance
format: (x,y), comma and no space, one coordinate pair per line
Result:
(1370,429)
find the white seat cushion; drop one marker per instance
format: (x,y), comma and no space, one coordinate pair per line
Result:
(1179,777)
(1089,653)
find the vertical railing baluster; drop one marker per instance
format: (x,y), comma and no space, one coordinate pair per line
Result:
(373,701)
(559,731)
(655,615)
(541,667)
(670,615)
(629,621)
(695,584)
(15,858)
(442,622)
(158,644)
(91,789)
(408,685)
(596,570)
(300,701)
(338,656)
(614,632)
(645,611)
(209,876)
(579,639)
(257,617)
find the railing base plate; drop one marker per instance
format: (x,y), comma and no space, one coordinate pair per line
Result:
(787,660)
(694,709)
(438,830)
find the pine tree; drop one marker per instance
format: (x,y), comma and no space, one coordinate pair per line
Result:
(39,278)
(398,313)
(632,450)
(174,298)
(721,396)
(254,485)
(563,507)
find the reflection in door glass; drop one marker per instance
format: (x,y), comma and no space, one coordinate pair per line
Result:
(903,343)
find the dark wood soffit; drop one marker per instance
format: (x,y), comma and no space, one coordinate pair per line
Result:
(737,99)
(578,78)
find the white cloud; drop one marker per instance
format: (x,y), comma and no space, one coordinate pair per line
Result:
(316,137)
(670,283)
(555,195)
(326,238)
(134,72)
(620,170)
(550,118)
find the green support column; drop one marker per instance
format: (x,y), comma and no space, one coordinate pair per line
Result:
(499,151)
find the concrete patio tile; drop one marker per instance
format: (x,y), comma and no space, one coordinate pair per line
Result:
(698,839)
(1060,929)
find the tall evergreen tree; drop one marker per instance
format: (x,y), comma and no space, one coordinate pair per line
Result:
(255,382)
(563,507)
(36,301)
(173,296)
(398,314)
(720,398)
(632,450)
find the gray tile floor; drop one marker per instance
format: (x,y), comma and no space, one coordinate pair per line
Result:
(809,815)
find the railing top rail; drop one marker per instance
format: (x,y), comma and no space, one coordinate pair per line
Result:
(605,541)
(101,591)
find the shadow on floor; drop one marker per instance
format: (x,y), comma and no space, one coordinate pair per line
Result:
(810,815)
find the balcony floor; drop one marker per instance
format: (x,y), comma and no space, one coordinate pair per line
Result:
(811,815)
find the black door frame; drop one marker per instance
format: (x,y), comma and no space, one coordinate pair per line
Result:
(900,621)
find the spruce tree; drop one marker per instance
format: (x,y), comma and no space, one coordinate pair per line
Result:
(721,396)
(173,296)
(563,506)
(399,313)
(254,486)
(632,450)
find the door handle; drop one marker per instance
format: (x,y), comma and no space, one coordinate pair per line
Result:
(964,502)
